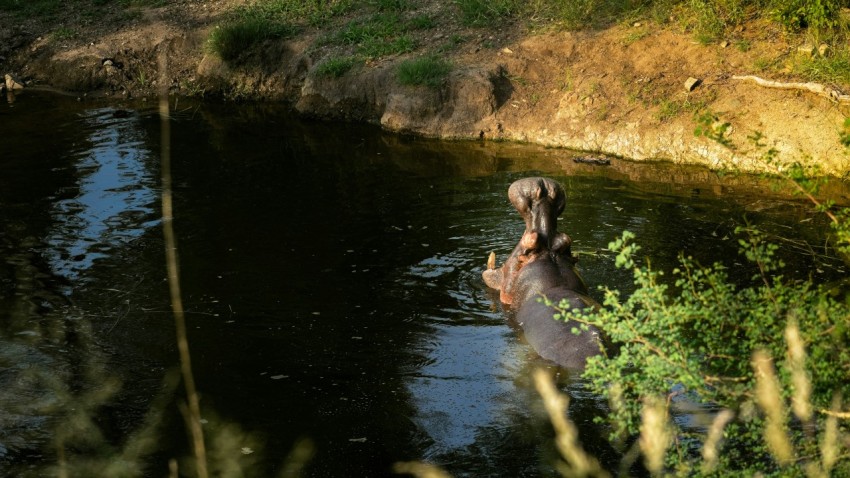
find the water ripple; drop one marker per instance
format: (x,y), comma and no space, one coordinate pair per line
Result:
(114,202)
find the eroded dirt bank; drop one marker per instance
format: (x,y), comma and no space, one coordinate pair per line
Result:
(619,91)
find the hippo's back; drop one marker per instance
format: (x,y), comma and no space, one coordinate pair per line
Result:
(554,339)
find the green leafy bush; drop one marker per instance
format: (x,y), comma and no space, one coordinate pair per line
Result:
(812,14)
(693,333)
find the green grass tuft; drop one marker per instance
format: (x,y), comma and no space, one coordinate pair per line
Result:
(390,5)
(268,19)
(376,36)
(481,13)
(422,22)
(336,67)
(63,33)
(31,7)
(834,68)
(229,41)
(427,70)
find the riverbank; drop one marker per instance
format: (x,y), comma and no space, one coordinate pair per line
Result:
(637,89)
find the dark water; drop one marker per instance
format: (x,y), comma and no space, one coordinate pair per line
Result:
(332,279)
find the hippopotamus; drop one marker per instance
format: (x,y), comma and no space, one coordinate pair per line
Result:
(542,265)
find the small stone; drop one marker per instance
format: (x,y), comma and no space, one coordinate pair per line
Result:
(806,49)
(107,62)
(724,44)
(13,83)
(691,83)
(507,51)
(822,49)
(636,24)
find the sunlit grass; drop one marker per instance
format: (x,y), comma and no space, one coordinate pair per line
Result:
(231,40)
(427,70)
(257,22)
(336,67)
(482,13)
(833,68)
(375,36)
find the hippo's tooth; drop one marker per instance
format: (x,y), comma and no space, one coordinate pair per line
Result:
(491,261)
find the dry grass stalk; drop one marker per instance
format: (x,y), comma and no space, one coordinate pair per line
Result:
(769,398)
(301,454)
(655,434)
(711,447)
(578,462)
(193,417)
(419,469)
(801,400)
(617,403)
(829,447)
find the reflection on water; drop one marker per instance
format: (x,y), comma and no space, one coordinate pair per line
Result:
(331,278)
(113,199)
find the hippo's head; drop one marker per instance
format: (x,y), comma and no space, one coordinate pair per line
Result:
(539,201)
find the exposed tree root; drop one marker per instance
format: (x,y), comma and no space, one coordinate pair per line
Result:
(815,88)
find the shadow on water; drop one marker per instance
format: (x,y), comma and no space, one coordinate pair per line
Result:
(331,277)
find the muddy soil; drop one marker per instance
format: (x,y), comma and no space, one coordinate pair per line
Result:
(619,91)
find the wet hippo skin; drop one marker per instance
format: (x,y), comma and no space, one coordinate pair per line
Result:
(542,265)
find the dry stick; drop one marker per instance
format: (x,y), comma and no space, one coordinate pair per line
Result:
(193,418)
(62,464)
(419,470)
(815,88)
(834,413)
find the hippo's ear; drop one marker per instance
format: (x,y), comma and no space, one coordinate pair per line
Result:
(558,197)
(519,198)
(560,204)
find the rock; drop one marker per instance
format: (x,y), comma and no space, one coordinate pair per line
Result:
(806,49)
(822,49)
(691,83)
(724,44)
(13,83)
(111,62)
(507,51)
